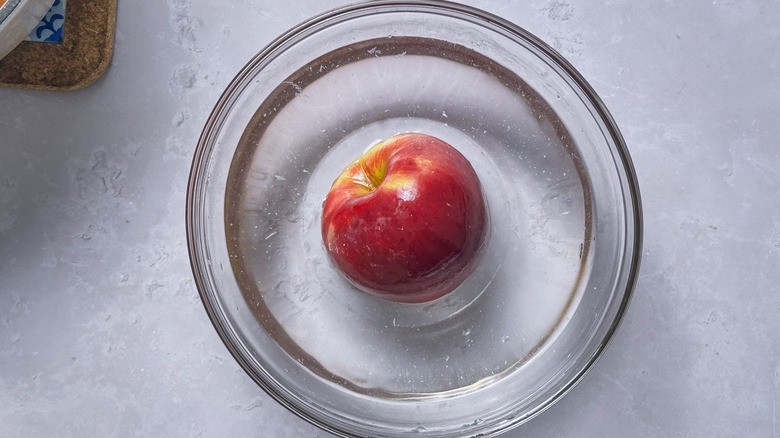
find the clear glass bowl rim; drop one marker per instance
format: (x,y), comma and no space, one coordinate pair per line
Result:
(442,7)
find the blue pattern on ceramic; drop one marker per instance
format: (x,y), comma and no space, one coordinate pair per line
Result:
(50,30)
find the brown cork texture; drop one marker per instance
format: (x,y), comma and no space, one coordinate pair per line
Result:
(81,58)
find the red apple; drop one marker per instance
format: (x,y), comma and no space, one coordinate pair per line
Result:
(406,220)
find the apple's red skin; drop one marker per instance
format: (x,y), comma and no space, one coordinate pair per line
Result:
(414,233)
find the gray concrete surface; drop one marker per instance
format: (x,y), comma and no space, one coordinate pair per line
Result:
(102,332)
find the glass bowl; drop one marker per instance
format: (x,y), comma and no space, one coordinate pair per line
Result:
(558,266)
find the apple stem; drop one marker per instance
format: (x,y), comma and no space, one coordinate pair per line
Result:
(367,178)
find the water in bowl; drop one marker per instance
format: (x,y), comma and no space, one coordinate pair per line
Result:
(321,119)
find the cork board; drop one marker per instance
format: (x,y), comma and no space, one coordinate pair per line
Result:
(81,58)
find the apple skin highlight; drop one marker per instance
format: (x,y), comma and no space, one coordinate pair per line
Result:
(406,220)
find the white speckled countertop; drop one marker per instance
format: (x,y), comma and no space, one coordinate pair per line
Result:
(102,332)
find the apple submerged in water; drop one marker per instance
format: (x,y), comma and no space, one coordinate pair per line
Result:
(406,220)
